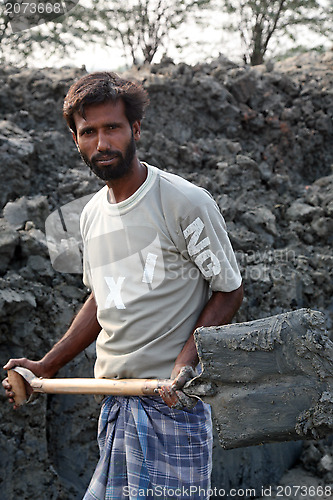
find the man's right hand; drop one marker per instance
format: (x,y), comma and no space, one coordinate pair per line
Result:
(83,331)
(36,367)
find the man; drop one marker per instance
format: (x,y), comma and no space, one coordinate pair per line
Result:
(159,264)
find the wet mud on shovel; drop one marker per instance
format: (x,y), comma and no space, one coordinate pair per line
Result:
(266,380)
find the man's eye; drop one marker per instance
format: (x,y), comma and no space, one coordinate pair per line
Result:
(86,131)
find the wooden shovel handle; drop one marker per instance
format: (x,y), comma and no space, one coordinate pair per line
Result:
(18,387)
(114,387)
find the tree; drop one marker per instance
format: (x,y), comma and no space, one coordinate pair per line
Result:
(260,21)
(144,26)
(55,29)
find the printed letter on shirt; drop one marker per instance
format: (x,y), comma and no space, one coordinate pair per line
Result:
(194,230)
(212,268)
(148,272)
(114,295)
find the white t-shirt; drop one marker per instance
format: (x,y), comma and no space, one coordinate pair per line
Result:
(151,262)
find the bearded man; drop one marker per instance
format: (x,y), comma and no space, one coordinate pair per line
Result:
(159,264)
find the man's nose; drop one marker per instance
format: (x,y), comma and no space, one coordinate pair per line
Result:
(103,142)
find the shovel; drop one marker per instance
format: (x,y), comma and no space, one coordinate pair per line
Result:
(266,380)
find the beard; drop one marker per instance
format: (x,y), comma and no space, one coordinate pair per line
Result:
(122,167)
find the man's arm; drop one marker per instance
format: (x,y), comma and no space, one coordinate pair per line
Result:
(82,332)
(219,310)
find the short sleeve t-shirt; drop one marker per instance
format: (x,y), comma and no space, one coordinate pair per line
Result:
(151,262)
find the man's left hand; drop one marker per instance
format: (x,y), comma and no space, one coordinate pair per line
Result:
(173,396)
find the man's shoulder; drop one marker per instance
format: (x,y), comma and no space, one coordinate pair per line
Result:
(95,199)
(91,208)
(176,189)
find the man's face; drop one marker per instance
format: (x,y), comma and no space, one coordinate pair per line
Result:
(106,140)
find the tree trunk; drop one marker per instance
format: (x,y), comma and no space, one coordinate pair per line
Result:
(257,57)
(257,54)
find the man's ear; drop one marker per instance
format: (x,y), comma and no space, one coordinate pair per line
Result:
(75,139)
(136,128)
(74,136)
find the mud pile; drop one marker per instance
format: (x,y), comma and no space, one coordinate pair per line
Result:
(260,140)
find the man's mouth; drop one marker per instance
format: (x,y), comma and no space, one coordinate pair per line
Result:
(105,160)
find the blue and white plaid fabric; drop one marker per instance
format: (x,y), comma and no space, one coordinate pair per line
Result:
(148,450)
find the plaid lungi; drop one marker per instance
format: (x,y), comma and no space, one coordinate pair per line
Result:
(148,450)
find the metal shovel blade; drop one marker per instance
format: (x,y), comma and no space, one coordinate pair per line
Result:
(267,380)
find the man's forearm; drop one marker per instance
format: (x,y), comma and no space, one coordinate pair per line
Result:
(82,332)
(219,310)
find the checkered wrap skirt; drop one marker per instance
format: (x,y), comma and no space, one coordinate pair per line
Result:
(148,450)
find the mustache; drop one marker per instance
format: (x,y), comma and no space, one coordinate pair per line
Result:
(106,155)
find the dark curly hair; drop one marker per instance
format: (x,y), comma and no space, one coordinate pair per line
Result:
(99,87)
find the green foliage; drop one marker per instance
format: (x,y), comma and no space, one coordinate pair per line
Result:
(260,21)
(299,49)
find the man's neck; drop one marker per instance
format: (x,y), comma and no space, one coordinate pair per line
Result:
(123,188)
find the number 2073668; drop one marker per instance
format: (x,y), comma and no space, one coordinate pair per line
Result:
(26,8)
(315,492)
